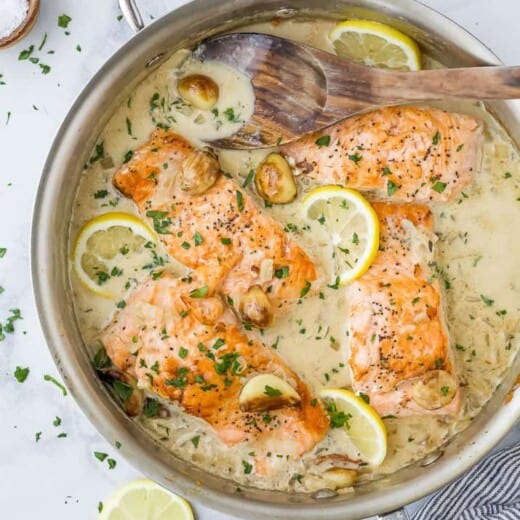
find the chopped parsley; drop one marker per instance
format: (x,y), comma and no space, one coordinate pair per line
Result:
(197,238)
(128,126)
(57,421)
(272,392)
(3,251)
(26,53)
(282,272)
(200,292)
(181,379)
(305,289)
(247,467)
(128,156)
(225,241)
(507,175)
(161,221)
(100,455)
(151,407)
(488,301)
(183,352)
(231,116)
(439,186)
(387,171)
(391,188)
(100,194)
(123,390)
(195,441)
(355,158)
(248,178)
(337,418)
(460,147)
(335,285)
(436,138)
(111,463)
(121,304)
(355,239)
(21,374)
(64,20)
(365,397)
(47,377)
(445,390)
(324,140)
(240,200)
(101,359)
(439,362)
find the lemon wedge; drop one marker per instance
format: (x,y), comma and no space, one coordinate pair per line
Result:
(102,244)
(145,500)
(351,229)
(364,427)
(375,44)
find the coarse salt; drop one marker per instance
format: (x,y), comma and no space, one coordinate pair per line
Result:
(12,14)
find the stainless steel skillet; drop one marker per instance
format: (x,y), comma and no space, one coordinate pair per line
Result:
(444,41)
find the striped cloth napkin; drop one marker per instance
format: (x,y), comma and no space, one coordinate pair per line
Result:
(489,491)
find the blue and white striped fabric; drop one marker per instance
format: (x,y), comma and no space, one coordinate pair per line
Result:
(489,491)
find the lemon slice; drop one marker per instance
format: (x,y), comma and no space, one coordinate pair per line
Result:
(375,44)
(351,230)
(364,427)
(102,244)
(145,500)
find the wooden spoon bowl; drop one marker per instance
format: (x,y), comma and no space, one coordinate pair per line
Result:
(24,28)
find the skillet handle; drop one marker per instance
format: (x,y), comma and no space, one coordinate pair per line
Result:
(131,14)
(398,514)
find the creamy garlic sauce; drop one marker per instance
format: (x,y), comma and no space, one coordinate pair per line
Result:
(477,256)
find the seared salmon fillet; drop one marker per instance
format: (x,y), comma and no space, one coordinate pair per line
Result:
(219,232)
(396,329)
(398,153)
(189,348)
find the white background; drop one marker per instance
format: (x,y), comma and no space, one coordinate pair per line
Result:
(59,478)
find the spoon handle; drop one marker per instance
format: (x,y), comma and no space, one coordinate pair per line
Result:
(469,83)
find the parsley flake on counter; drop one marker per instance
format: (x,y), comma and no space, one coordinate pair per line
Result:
(100,507)
(64,20)
(3,251)
(26,53)
(111,463)
(57,421)
(47,377)
(37,436)
(21,374)
(100,455)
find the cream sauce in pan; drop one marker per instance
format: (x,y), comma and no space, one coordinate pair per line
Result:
(477,253)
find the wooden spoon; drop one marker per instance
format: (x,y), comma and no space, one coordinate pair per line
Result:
(300,89)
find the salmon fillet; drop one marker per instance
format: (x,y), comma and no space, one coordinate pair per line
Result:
(221,232)
(396,328)
(191,350)
(398,153)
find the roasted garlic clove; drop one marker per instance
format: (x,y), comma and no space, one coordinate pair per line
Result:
(198,90)
(435,389)
(338,478)
(274,180)
(199,171)
(125,388)
(267,392)
(256,308)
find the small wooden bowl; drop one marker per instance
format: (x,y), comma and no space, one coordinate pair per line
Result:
(24,28)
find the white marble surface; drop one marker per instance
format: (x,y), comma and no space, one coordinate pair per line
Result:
(60,478)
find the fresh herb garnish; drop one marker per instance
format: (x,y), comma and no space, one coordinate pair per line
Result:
(240,200)
(488,301)
(200,292)
(324,140)
(161,221)
(249,178)
(282,272)
(439,186)
(183,352)
(387,171)
(195,441)
(365,397)
(355,158)
(445,390)
(197,238)
(335,285)
(247,467)
(305,289)
(128,156)
(151,407)
(338,419)
(272,392)
(355,238)
(100,455)
(123,390)
(436,138)
(100,194)
(225,241)
(391,188)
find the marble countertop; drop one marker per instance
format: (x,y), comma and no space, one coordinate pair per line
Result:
(47,463)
